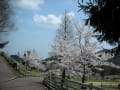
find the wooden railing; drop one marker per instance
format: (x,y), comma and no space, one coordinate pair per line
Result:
(56,83)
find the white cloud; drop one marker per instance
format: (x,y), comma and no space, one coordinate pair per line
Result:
(71,14)
(27,4)
(50,18)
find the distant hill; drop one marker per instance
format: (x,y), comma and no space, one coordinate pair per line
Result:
(17,58)
(52,58)
(115,60)
(107,70)
(110,70)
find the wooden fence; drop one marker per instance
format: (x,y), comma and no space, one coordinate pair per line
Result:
(56,83)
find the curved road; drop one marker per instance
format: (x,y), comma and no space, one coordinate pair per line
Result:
(8,80)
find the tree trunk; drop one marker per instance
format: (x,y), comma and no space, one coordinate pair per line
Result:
(63,77)
(83,76)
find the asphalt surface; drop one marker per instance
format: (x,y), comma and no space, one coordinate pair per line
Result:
(8,81)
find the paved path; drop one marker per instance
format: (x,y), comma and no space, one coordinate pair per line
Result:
(8,80)
(5,73)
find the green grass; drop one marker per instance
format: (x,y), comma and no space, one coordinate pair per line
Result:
(106,84)
(104,80)
(78,79)
(23,71)
(30,72)
(8,62)
(110,88)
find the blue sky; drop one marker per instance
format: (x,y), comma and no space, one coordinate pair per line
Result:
(36,22)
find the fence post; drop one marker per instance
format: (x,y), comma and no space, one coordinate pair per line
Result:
(90,86)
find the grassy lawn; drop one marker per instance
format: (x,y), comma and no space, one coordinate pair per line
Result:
(106,84)
(26,71)
(110,88)
(94,80)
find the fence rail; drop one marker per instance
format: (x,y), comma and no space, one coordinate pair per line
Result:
(56,83)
